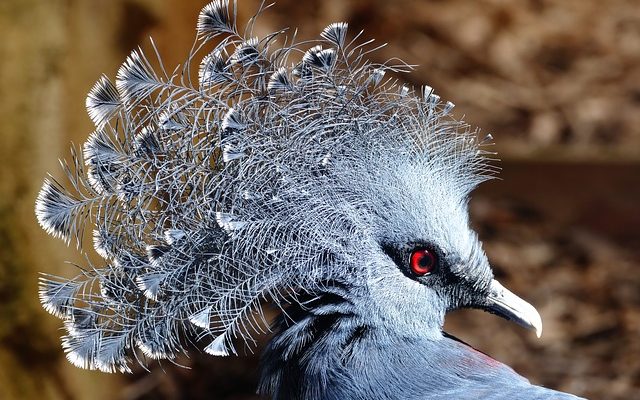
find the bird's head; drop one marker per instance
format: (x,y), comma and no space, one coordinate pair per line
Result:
(429,260)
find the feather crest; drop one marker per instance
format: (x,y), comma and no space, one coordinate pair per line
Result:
(301,158)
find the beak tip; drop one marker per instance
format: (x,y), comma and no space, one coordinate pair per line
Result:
(534,320)
(537,325)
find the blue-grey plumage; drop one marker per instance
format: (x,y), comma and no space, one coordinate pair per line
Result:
(341,355)
(294,176)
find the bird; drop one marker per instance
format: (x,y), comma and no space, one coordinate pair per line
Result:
(297,177)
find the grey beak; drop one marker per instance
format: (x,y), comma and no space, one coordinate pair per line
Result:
(504,303)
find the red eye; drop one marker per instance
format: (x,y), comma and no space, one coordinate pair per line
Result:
(422,262)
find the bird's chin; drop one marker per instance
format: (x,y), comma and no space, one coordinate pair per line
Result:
(501,301)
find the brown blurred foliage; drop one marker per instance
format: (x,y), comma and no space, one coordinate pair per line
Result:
(556,81)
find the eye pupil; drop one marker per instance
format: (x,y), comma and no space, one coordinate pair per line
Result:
(422,262)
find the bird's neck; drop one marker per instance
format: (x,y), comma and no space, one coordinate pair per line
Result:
(320,344)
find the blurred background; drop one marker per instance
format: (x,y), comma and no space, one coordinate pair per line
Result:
(557,83)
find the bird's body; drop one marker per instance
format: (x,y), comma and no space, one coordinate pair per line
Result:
(313,185)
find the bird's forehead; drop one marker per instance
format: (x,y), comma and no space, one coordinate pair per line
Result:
(426,204)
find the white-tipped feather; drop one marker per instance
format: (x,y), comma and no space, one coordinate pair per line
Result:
(214,19)
(229,222)
(427,91)
(57,297)
(232,120)
(105,243)
(135,79)
(246,53)
(218,347)
(213,69)
(377,75)
(103,102)
(280,81)
(111,356)
(150,285)
(171,236)
(55,210)
(230,154)
(336,33)
(320,58)
(202,319)
(82,350)
(153,350)
(447,108)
